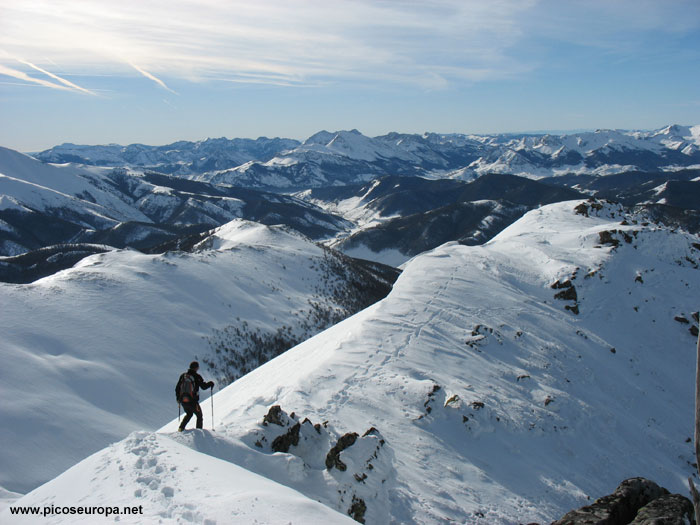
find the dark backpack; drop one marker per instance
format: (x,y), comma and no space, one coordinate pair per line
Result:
(184,391)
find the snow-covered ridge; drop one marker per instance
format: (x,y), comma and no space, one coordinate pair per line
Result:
(509,382)
(181,157)
(28,182)
(167,483)
(105,340)
(42,204)
(345,157)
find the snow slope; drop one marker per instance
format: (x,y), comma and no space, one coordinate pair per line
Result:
(92,203)
(477,396)
(27,182)
(171,484)
(93,353)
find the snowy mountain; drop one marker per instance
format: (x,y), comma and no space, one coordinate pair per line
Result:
(102,343)
(602,152)
(43,204)
(399,217)
(677,188)
(502,383)
(181,157)
(349,157)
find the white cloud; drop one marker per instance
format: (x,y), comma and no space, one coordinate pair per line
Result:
(277,42)
(429,43)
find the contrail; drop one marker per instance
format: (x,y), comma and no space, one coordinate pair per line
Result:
(4,70)
(56,77)
(152,77)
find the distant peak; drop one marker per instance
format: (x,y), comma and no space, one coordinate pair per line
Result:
(321,137)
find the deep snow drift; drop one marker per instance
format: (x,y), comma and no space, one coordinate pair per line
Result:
(476,395)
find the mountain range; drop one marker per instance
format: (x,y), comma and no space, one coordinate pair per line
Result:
(43,204)
(532,351)
(347,157)
(502,383)
(392,217)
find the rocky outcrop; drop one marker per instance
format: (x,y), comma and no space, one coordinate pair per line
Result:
(672,509)
(636,500)
(333,456)
(355,467)
(275,416)
(283,442)
(357,509)
(567,293)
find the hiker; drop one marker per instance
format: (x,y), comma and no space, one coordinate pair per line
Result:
(187,393)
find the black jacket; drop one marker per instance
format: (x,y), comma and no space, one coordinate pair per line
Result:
(198,383)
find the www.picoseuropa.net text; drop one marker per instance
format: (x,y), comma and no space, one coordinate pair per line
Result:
(54,510)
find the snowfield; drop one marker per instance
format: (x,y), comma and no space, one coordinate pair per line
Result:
(170,484)
(471,394)
(93,352)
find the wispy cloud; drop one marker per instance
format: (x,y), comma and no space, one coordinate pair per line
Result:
(302,43)
(152,77)
(432,43)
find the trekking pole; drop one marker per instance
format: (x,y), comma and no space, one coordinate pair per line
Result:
(178,412)
(212,407)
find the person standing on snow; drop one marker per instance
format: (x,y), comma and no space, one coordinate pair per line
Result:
(187,393)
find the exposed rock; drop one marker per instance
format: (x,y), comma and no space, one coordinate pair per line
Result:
(573,309)
(360,478)
(606,237)
(681,319)
(562,284)
(333,456)
(618,508)
(274,416)
(672,509)
(582,209)
(569,294)
(372,431)
(693,330)
(454,399)
(283,442)
(431,398)
(357,509)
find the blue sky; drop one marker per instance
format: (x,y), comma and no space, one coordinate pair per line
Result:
(85,71)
